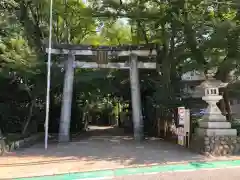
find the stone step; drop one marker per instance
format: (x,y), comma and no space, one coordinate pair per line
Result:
(215,125)
(216,132)
(218,117)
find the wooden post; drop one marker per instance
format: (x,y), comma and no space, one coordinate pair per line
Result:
(136,101)
(64,129)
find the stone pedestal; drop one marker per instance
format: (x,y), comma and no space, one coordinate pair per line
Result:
(214,135)
(216,145)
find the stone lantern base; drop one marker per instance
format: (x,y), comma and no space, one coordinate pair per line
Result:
(216,139)
(218,145)
(215,129)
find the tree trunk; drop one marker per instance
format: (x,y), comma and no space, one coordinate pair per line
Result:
(30,114)
(223,75)
(85,118)
(227,104)
(2,143)
(118,114)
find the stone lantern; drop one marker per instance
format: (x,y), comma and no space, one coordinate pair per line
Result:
(213,122)
(214,135)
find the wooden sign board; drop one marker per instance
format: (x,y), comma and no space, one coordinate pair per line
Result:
(183,132)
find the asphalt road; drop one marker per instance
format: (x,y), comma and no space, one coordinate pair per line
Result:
(210,174)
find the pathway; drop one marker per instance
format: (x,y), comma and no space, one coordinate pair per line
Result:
(96,152)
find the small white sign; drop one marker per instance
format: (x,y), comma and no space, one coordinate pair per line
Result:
(181,140)
(181,115)
(180,131)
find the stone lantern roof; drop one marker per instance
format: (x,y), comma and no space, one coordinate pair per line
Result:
(212,83)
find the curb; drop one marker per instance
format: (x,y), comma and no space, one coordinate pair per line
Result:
(109,174)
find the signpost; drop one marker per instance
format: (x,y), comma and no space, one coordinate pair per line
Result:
(181,135)
(187,127)
(183,130)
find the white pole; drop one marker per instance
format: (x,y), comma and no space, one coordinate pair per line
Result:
(48,74)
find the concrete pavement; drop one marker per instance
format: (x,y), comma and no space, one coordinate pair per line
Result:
(91,156)
(99,151)
(209,174)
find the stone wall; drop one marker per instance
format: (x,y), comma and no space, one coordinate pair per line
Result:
(216,145)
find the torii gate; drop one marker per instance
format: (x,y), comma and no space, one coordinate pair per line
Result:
(102,54)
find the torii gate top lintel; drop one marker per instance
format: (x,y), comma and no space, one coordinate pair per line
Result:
(103,55)
(123,47)
(90,50)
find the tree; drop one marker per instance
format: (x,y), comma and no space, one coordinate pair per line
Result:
(214,39)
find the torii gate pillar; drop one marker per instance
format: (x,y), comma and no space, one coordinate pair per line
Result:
(136,98)
(65,119)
